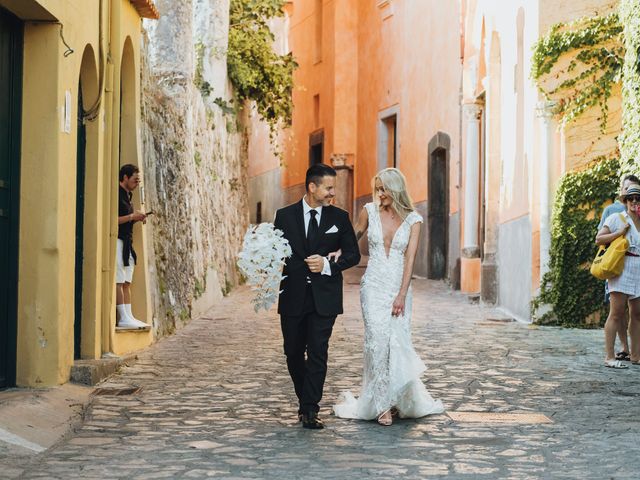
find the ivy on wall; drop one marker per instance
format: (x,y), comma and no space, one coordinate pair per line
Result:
(630,139)
(568,287)
(255,70)
(597,50)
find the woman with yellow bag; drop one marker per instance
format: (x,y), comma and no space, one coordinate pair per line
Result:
(624,288)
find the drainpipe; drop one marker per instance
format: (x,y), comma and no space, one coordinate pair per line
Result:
(108,261)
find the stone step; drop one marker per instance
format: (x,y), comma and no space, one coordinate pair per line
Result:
(91,372)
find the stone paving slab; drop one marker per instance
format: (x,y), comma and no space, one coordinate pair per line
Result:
(216,402)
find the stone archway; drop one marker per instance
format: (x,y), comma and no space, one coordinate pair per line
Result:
(88,243)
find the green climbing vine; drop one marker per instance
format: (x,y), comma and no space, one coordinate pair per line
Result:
(256,71)
(586,79)
(568,287)
(630,139)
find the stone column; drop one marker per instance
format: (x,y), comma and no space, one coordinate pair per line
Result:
(470,244)
(470,267)
(544,112)
(343,165)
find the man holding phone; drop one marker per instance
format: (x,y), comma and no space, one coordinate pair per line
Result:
(125,254)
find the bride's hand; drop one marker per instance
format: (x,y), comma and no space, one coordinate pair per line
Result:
(335,254)
(398,306)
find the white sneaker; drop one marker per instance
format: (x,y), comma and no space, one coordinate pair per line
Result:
(130,322)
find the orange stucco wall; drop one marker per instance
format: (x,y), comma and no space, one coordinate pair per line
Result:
(376,55)
(397,68)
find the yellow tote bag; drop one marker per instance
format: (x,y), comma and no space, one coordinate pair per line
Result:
(609,261)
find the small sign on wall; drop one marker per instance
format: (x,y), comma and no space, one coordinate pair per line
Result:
(66,112)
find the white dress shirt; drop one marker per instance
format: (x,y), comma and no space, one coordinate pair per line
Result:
(326,270)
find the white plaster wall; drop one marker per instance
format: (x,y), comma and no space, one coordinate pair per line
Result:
(514,264)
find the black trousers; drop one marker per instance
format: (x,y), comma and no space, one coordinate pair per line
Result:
(308,334)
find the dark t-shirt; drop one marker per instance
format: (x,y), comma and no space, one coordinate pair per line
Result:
(125,230)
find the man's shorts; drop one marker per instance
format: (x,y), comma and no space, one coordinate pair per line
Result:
(123,274)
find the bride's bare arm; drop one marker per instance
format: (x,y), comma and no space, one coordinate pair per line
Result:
(409,260)
(363,224)
(360,229)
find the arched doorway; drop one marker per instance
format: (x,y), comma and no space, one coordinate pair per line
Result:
(129,153)
(438,207)
(86,270)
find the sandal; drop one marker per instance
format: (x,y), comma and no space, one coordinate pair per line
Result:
(385,418)
(623,356)
(615,364)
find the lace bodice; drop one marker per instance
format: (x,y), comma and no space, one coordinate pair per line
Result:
(379,262)
(400,238)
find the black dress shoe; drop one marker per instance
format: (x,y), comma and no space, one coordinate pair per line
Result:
(311,420)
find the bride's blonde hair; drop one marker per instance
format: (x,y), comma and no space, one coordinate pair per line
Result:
(395,187)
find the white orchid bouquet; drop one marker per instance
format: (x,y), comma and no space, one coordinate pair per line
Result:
(263,255)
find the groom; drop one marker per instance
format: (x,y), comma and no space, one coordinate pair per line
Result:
(311,291)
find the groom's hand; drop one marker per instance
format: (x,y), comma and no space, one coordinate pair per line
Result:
(315,263)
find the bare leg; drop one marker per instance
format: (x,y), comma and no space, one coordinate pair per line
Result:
(634,328)
(119,294)
(617,309)
(126,290)
(622,333)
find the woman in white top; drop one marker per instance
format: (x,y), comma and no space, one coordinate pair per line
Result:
(624,289)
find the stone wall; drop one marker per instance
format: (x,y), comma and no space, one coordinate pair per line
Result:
(195,155)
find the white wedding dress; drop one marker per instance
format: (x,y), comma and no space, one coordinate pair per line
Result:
(392,369)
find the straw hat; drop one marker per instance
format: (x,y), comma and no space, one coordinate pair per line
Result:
(632,190)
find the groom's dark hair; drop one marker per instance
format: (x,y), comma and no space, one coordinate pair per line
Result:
(316,172)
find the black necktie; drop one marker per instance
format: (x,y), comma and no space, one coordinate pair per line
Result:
(312,230)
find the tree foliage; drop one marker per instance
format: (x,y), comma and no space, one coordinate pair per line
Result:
(256,71)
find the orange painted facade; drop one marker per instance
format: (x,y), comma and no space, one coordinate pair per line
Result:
(426,84)
(369,88)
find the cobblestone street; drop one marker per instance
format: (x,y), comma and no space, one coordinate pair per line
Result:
(215,400)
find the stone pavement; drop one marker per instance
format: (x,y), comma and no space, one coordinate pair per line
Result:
(215,401)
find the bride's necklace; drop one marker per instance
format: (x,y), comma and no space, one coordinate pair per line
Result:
(390,213)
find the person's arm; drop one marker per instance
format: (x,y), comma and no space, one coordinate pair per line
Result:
(407,273)
(612,229)
(362,225)
(132,217)
(605,236)
(360,229)
(349,247)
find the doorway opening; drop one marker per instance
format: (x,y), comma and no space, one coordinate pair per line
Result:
(316,147)
(11,39)
(81,148)
(438,214)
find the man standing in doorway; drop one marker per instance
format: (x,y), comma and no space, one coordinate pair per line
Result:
(125,255)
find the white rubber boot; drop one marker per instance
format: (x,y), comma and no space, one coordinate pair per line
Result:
(127,308)
(125,321)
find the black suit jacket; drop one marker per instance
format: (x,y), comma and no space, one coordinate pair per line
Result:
(327,289)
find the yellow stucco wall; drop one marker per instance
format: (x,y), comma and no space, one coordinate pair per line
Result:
(48,184)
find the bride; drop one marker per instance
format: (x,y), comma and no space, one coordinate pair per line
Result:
(391,379)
